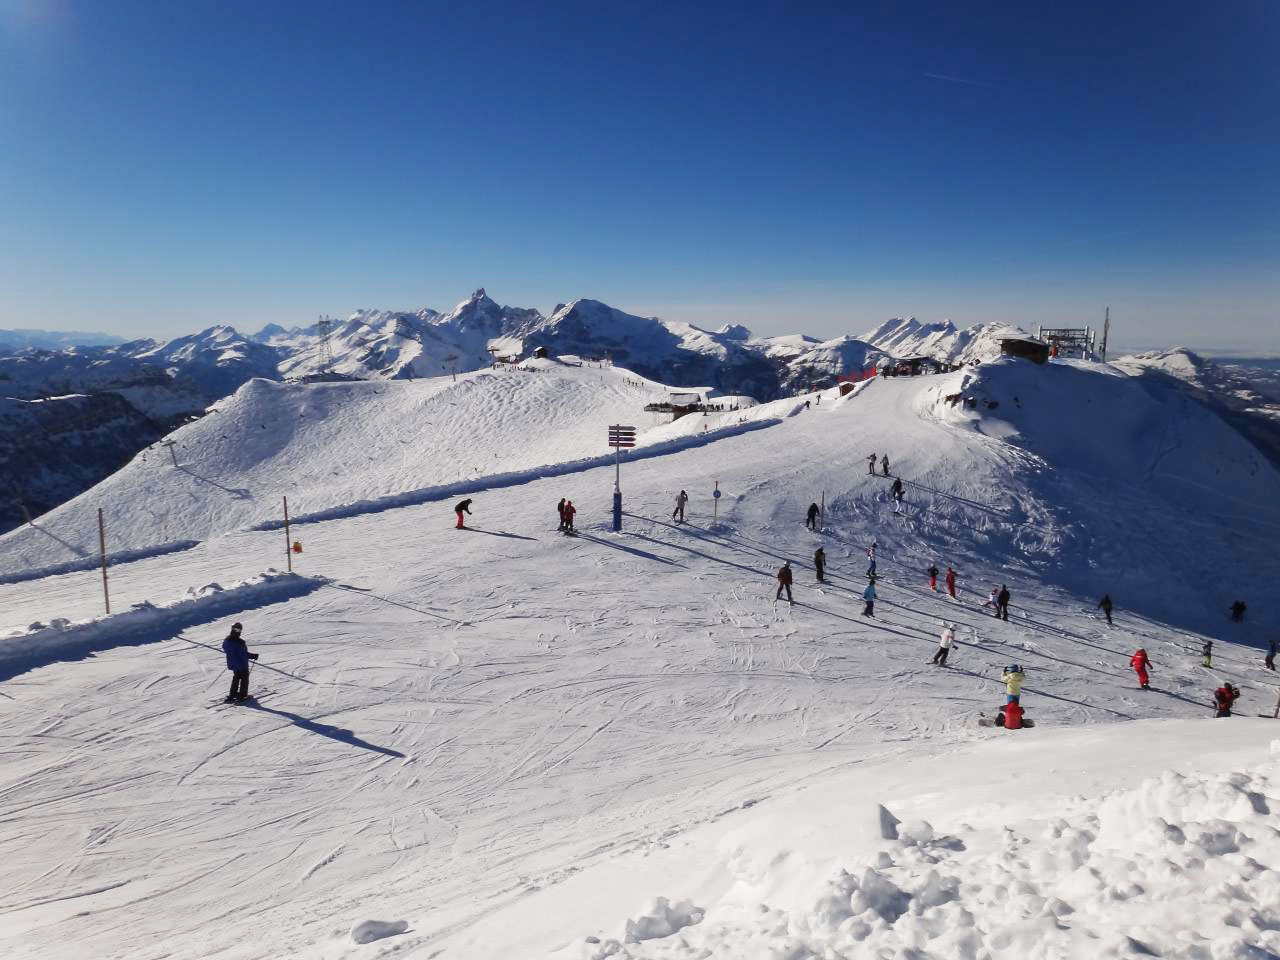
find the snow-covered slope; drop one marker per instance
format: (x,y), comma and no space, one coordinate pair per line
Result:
(502,741)
(327,445)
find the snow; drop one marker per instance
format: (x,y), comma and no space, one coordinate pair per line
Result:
(526,744)
(40,644)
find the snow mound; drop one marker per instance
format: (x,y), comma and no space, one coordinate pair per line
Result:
(41,643)
(1183,865)
(367,931)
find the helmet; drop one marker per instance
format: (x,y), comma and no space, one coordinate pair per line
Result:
(1013,668)
(237,626)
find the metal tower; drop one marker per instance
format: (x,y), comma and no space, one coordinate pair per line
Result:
(323,329)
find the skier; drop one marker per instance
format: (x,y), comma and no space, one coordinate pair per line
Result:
(944,645)
(1141,663)
(993,601)
(811,517)
(871,465)
(460,509)
(951,582)
(569,511)
(1237,611)
(1013,678)
(238,657)
(871,567)
(897,499)
(1206,651)
(1270,661)
(820,564)
(678,513)
(884,464)
(560,512)
(1105,604)
(896,491)
(1010,716)
(1002,603)
(784,581)
(869,595)
(1224,697)
(933,577)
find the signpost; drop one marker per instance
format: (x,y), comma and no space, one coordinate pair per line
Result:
(619,437)
(715,503)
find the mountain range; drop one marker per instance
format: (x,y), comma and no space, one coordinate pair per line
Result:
(107,400)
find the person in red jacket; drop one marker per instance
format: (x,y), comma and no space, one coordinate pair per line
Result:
(570,511)
(1141,664)
(1223,698)
(951,582)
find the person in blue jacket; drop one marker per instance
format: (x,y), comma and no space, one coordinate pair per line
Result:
(238,657)
(869,595)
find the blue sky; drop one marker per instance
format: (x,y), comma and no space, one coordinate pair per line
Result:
(797,167)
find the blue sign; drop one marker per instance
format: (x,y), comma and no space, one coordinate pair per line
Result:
(716,494)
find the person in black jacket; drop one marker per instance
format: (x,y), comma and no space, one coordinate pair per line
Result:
(560,511)
(238,657)
(811,517)
(820,563)
(1002,603)
(1106,605)
(460,509)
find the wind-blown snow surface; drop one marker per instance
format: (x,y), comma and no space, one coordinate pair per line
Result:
(511,740)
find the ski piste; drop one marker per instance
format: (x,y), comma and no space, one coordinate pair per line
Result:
(515,747)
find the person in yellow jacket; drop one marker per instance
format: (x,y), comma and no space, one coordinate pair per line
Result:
(1013,677)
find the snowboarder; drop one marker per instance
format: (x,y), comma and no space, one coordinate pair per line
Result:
(884,464)
(951,582)
(460,509)
(1270,661)
(933,577)
(1224,697)
(1106,605)
(560,513)
(869,595)
(944,645)
(678,513)
(1206,651)
(1002,603)
(1141,664)
(1237,611)
(1013,678)
(811,517)
(820,564)
(871,465)
(784,581)
(238,657)
(569,511)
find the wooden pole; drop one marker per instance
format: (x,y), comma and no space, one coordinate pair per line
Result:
(288,551)
(102,548)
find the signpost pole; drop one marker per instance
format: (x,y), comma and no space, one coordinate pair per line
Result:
(102,549)
(288,556)
(619,437)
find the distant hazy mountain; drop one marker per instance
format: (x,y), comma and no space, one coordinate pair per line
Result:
(13,340)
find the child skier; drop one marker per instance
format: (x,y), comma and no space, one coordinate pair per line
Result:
(1223,699)
(1013,678)
(933,577)
(951,582)
(1141,663)
(238,657)
(1206,651)
(993,601)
